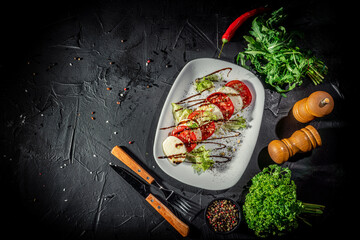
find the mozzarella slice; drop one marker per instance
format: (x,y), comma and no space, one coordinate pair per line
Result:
(209,109)
(174,149)
(234,97)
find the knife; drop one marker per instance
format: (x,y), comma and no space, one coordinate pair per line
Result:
(144,191)
(185,207)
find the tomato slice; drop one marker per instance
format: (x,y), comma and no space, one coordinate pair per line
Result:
(194,115)
(223,102)
(206,129)
(243,90)
(186,135)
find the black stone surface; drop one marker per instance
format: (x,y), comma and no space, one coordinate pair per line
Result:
(57,62)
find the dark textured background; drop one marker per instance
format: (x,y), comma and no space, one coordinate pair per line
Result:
(58,59)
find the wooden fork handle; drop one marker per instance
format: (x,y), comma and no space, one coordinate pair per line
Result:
(179,225)
(131,163)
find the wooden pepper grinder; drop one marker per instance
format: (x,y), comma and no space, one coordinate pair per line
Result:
(318,104)
(302,140)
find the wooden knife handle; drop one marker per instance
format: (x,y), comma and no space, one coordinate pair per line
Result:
(131,163)
(179,225)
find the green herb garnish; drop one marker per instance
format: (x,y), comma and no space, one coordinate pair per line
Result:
(180,113)
(191,124)
(200,157)
(235,123)
(206,114)
(206,83)
(271,206)
(273,54)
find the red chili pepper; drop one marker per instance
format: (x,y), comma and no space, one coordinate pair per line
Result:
(237,23)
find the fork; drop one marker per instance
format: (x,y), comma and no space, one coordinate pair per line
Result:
(185,207)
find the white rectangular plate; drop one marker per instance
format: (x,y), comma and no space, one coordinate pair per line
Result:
(229,173)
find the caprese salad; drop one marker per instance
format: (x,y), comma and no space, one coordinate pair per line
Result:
(192,127)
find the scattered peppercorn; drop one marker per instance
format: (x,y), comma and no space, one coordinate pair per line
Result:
(148,61)
(222,215)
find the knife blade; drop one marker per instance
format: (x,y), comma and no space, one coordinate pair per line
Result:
(144,190)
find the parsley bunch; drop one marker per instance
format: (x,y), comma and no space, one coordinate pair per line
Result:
(273,53)
(271,206)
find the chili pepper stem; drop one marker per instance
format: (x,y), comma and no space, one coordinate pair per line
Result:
(224,40)
(222,46)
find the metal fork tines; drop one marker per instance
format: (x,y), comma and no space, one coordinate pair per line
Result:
(188,209)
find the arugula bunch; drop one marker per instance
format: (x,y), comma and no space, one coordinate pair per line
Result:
(271,206)
(273,53)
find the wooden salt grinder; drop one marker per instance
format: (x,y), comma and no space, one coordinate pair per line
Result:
(302,140)
(318,104)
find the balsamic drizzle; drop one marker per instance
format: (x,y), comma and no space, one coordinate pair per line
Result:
(223,69)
